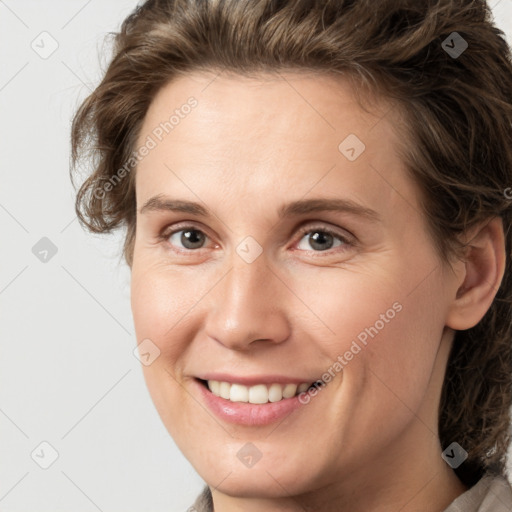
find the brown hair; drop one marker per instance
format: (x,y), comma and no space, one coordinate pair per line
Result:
(458,113)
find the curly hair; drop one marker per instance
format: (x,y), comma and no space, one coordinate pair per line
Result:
(457,106)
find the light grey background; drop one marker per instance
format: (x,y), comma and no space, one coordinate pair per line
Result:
(68,375)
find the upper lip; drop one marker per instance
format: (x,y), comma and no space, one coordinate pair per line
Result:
(252,380)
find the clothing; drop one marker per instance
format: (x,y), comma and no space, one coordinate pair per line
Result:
(203,502)
(490,494)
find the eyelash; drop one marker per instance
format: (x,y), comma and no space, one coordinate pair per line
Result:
(347,242)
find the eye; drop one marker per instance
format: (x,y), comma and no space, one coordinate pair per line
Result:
(189,237)
(322,238)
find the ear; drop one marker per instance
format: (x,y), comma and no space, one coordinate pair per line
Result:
(482,272)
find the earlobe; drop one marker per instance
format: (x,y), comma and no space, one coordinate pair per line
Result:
(484,268)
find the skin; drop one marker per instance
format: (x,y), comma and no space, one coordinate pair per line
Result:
(368,440)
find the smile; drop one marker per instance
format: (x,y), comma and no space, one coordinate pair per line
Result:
(257,394)
(252,400)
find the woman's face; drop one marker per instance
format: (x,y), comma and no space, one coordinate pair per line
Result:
(279,241)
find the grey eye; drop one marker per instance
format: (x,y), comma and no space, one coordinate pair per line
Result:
(189,238)
(320,240)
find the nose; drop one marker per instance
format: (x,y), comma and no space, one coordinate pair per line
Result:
(248,306)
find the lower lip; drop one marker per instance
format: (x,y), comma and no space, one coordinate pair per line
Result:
(244,413)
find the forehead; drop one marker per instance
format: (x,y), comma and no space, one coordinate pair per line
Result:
(299,104)
(279,132)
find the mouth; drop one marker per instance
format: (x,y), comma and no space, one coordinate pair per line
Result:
(257,394)
(254,403)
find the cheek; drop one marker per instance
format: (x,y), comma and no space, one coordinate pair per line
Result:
(346,305)
(158,311)
(399,343)
(164,304)
(388,339)
(385,327)
(160,301)
(394,383)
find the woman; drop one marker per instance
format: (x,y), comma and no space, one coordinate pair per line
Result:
(315,198)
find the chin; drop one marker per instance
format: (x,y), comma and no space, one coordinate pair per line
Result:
(257,485)
(277,476)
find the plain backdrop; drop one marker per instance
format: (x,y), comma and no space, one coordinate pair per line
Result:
(72,395)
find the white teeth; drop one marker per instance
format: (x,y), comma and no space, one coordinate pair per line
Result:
(258,394)
(239,393)
(224,389)
(214,386)
(275,393)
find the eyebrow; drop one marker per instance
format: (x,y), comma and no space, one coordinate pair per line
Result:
(294,208)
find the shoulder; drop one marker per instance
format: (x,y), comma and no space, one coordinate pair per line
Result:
(492,493)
